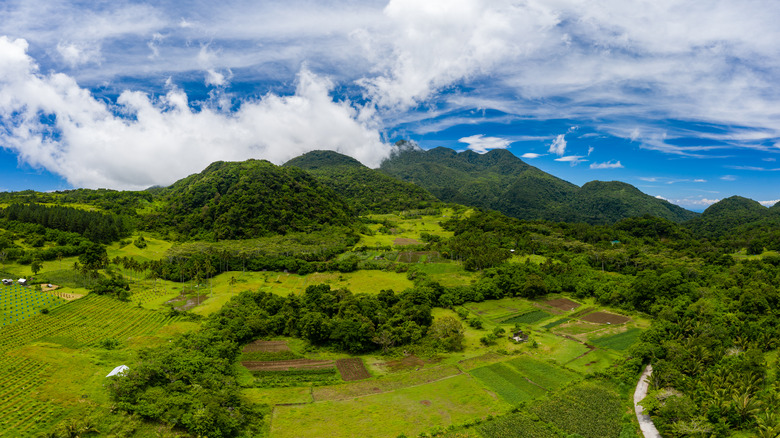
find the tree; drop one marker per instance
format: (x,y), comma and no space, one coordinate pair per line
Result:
(36,266)
(448,333)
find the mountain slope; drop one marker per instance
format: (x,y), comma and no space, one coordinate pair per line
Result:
(499,180)
(734,215)
(365,190)
(237,200)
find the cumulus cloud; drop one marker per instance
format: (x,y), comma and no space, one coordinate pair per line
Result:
(572,159)
(77,54)
(769,203)
(558,146)
(607,165)
(481,144)
(53,123)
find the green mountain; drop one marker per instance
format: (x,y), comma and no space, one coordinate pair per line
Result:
(607,202)
(238,200)
(365,190)
(500,181)
(734,215)
(497,180)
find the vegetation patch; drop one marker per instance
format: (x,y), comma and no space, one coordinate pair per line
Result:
(620,341)
(287,365)
(589,410)
(391,382)
(516,425)
(605,318)
(544,374)
(528,318)
(507,381)
(266,346)
(555,323)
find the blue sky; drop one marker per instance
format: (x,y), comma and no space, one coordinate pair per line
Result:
(679,98)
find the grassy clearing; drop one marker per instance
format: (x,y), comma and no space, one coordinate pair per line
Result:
(596,360)
(155,248)
(409,410)
(278,396)
(556,348)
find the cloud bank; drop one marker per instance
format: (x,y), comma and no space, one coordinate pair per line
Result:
(51,122)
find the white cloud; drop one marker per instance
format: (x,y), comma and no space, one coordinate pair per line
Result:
(558,146)
(481,144)
(728,178)
(163,139)
(531,155)
(572,159)
(699,180)
(607,165)
(769,159)
(769,203)
(77,54)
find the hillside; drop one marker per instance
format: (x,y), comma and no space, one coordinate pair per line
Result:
(499,180)
(248,199)
(365,190)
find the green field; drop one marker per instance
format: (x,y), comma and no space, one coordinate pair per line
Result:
(589,410)
(507,381)
(498,311)
(528,318)
(620,341)
(410,411)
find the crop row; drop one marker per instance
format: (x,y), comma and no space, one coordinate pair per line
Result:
(508,383)
(516,425)
(86,321)
(20,413)
(543,374)
(589,410)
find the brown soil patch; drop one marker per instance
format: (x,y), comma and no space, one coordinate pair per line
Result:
(605,318)
(66,296)
(184,303)
(352,369)
(401,241)
(49,287)
(564,304)
(405,364)
(425,402)
(287,365)
(266,346)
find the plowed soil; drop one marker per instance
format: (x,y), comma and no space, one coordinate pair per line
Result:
(352,369)
(287,365)
(563,304)
(605,318)
(267,346)
(401,241)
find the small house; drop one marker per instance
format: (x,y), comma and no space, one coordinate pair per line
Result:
(8,281)
(22,281)
(519,336)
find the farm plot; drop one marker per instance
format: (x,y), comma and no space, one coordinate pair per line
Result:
(547,375)
(84,322)
(605,318)
(287,365)
(528,318)
(21,302)
(266,346)
(564,304)
(499,310)
(20,413)
(507,382)
(410,411)
(620,341)
(555,323)
(418,256)
(516,425)
(352,369)
(383,384)
(592,411)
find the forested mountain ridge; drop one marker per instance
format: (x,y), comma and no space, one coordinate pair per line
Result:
(253,198)
(500,181)
(497,180)
(366,190)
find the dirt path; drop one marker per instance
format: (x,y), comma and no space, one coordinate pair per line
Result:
(645,423)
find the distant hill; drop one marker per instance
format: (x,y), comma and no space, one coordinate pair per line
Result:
(238,200)
(734,215)
(365,190)
(500,181)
